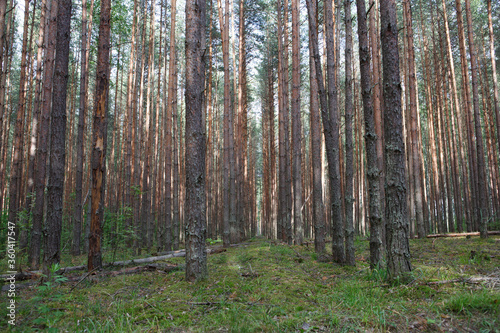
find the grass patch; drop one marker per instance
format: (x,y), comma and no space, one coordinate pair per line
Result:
(267,287)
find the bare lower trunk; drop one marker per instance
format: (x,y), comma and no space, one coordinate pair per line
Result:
(196,257)
(373,172)
(396,214)
(52,251)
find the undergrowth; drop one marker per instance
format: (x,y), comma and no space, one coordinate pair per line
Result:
(262,286)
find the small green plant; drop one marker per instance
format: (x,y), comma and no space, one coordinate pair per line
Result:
(53,280)
(211,241)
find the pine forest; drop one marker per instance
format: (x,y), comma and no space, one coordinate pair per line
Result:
(250,165)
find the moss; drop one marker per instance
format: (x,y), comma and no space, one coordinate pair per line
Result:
(263,287)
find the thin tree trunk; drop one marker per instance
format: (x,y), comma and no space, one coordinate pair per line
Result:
(176,130)
(494,72)
(130,129)
(373,172)
(296,126)
(148,138)
(349,163)
(15,186)
(78,211)
(172,72)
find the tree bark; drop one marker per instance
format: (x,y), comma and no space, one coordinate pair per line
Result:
(371,138)
(349,154)
(196,257)
(78,211)
(98,160)
(52,251)
(482,213)
(334,162)
(296,126)
(16,169)
(396,214)
(494,72)
(413,114)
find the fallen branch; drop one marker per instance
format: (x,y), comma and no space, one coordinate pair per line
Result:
(86,275)
(181,253)
(464,234)
(472,280)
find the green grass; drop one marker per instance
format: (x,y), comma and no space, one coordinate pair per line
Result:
(268,287)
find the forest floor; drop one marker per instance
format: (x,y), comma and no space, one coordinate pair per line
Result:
(264,286)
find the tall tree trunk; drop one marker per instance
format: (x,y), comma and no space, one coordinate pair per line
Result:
(172,72)
(349,154)
(78,211)
(373,172)
(413,113)
(196,257)
(176,130)
(334,169)
(458,111)
(43,139)
(148,138)
(474,195)
(130,144)
(36,122)
(396,214)
(98,160)
(494,73)
(483,209)
(229,222)
(243,188)
(296,126)
(52,251)
(3,109)
(325,115)
(15,186)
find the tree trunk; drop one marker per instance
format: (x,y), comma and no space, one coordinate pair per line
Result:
(50,41)
(396,214)
(483,210)
(78,211)
(99,136)
(15,186)
(373,172)
(52,251)
(333,161)
(168,151)
(148,138)
(494,72)
(243,188)
(196,257)
(413,113)
(296,126)
(349,154)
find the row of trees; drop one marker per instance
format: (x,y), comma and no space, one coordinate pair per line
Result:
(257,123)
